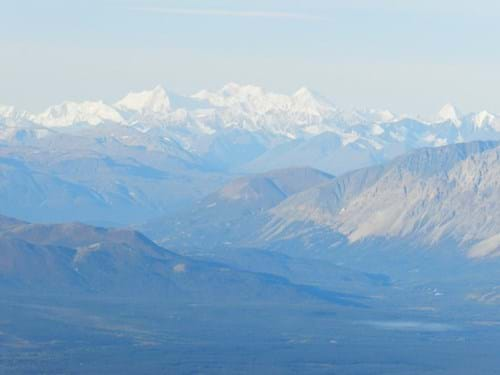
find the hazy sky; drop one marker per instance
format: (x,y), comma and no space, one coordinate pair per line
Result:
(407,56)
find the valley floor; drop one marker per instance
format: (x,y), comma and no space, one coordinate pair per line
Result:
(43,335)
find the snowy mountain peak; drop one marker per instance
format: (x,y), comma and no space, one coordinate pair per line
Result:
(233,94)
(7,111)
(374,115)
(483,118)
(304,93)
(234,89)
(70,113)
(10,113)
(155,101)
(450,113)
(249,108)
(311,98)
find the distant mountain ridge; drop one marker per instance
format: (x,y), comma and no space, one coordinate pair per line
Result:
(74,259)
(153,152)
(234,207)
(432,197)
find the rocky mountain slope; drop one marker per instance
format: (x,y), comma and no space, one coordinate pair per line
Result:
(433,197)
(429,197)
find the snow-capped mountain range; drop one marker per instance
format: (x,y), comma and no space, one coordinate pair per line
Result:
(237,129)
(300,115)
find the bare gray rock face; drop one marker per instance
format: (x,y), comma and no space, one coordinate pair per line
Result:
(429,196)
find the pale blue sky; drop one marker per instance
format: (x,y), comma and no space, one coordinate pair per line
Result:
(407,56)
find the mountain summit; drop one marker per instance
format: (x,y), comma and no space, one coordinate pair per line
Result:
(70,113)
(155,101)
(450,113)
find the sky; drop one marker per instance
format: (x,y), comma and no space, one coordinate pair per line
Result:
(407,56)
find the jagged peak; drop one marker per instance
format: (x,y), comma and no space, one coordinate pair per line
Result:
(483,118)
(450,112)
(305,92)
(68,113)
(155,100)
(7,111)
(235,89)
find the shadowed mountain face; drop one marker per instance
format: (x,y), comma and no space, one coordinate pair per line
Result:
(98,178)
(235,208)
(325,151)
(279,184)
(76,259)
(430,198)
